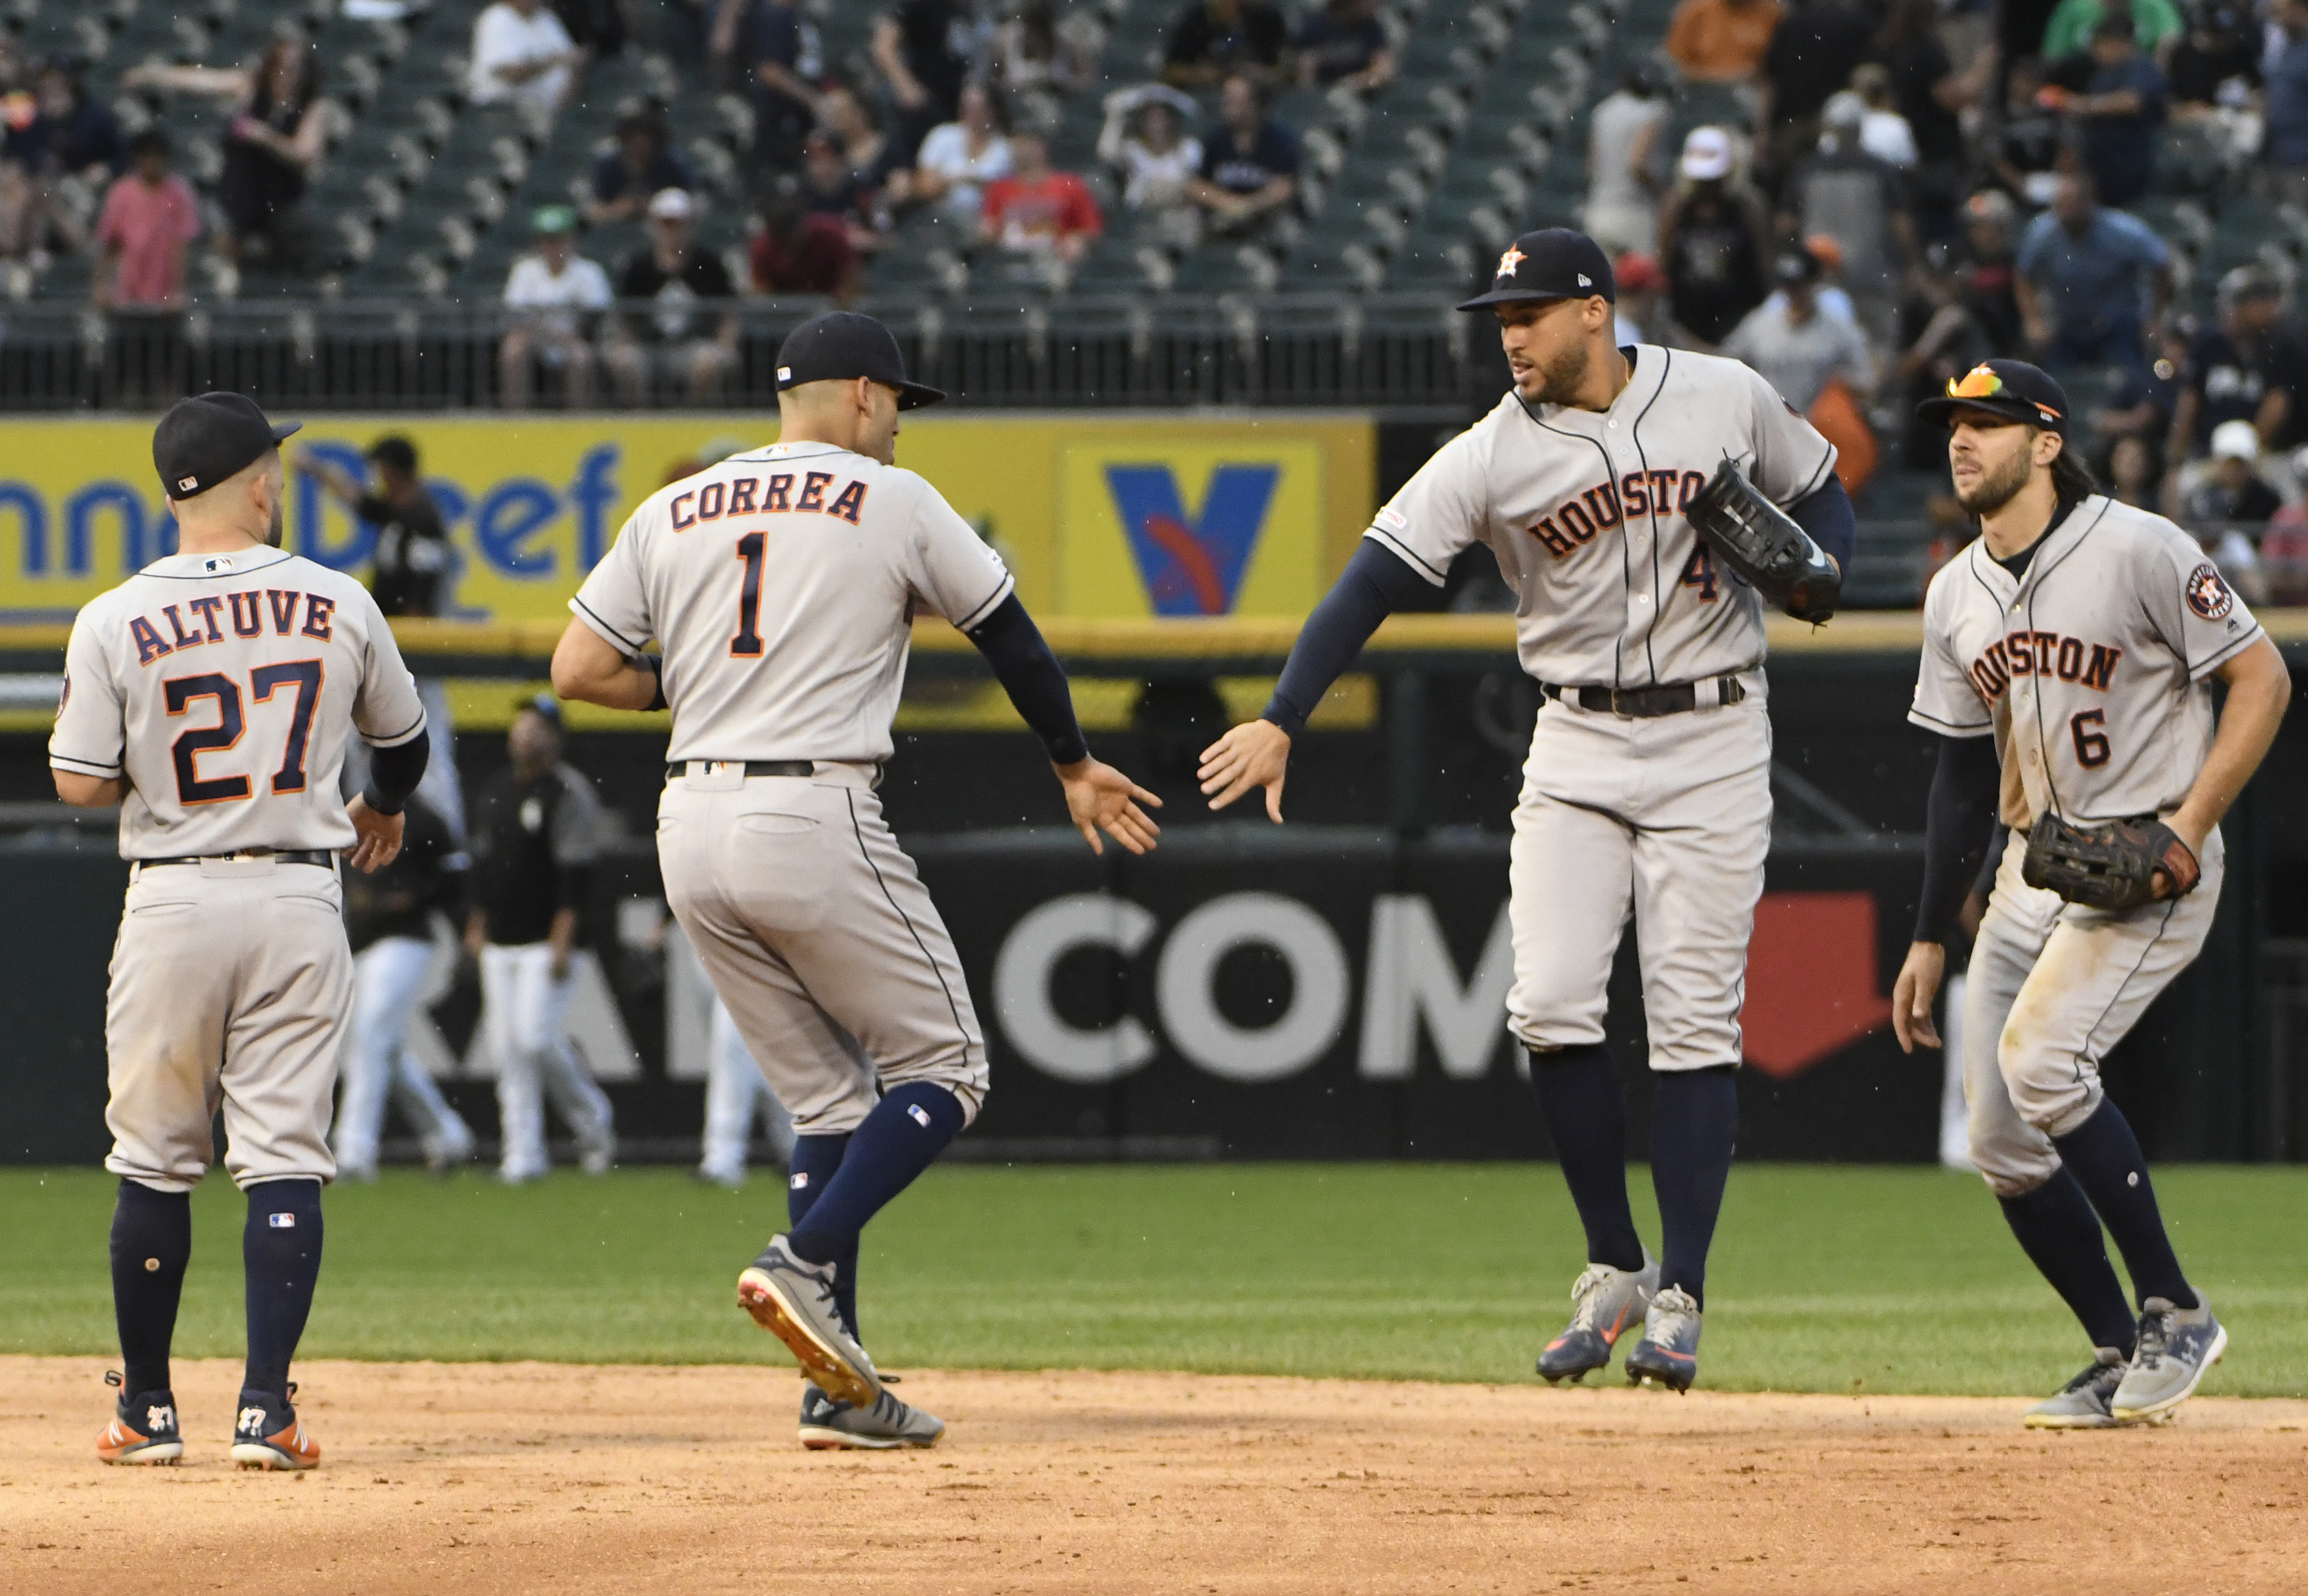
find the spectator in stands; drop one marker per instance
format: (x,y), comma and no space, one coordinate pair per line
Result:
(2073,27)
(2285,149)
(598,28)
(2133,474)
(1145,143)
(1626,162)
(1641,315)
(798,250)
(1843,192)
(2216,66)
(1039,212)
(1250,162)
(1883,133)
(277,132)
(2142,399)
(865,149)
(1797,349)
(925,51)
(2228,502)
(643,163)
(1932,96)
(149,219)
(58,151)
(1212,40)
(554,297)
(1714,241)
(1345,42)
(2088,280)
(1818,46)
(523,57)
(2120,112)
(776,53)
(670,337)
(1037,52)
(829,187)
(1989,219)
(958,159)
(1941,340)
(2248,367)
(1721,41)
(2027,152)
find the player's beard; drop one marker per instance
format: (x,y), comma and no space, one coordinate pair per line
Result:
(1560,378)
(1999,488)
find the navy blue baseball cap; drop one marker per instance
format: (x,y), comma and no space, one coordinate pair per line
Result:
(211,436)
(842,344)
(2011,389)
(1552,263)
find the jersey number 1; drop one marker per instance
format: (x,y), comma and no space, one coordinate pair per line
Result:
(192,789)
(747,643)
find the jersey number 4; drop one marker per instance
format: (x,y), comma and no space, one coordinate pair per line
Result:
(1698,572)
(302,676)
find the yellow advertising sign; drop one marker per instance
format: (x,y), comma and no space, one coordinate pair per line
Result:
(1112,514)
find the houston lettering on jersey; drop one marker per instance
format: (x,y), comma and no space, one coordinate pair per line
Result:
(773,495)
(176,626)
(2043,653)
(1664,492)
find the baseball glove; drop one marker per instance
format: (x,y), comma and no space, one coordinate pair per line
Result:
(2111,867)
(1764,544)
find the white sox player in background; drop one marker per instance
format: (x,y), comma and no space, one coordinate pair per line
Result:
(210,697)
(2068,655)
(1649,783)
(782,584)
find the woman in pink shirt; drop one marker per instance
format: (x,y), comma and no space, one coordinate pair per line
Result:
(149,217)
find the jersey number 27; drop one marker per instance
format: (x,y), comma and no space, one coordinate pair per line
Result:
(302,676)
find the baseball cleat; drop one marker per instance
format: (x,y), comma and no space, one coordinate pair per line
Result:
(2177,1346)
(828,1425)
(143,1428)
(2085,1402)
(268,1434)
(792,1300)
(1668,1353)
(598,1151)
(444,1154)
(1604,1301)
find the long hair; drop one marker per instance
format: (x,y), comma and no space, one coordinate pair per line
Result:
(2072,477)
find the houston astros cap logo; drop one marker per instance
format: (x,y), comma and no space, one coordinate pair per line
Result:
(1510,261)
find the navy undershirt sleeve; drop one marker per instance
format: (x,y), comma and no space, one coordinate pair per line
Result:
(1833,524)
(394,772)
(1032,676)
(1375,582)
(1957,823)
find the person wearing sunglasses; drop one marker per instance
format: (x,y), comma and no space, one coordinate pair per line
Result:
(2067,671)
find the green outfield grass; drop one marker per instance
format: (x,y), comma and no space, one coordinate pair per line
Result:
(1824,1279)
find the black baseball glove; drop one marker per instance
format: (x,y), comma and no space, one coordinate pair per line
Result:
(2112,866)
(1764,544)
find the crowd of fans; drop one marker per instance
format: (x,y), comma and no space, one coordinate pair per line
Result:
(1906,189)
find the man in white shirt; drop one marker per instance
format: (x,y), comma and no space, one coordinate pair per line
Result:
(521,53)
(549,294)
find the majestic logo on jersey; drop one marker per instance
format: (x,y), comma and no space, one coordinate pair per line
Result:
(1571,528)
(771,495)
(2042,654)
(1192,566)
(1508,263)
(252,610)
(2207,595)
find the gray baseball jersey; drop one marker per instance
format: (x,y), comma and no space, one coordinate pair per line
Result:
(2090,670)
(1585,513)
(781,583)
(225,688)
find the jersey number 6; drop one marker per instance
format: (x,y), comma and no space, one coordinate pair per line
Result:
(2091,746)
(191,789)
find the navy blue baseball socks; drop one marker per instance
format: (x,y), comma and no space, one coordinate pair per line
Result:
(143,1428)
(814,1161)
(280,1249)
(1585,1106)
(2056,1228)
(151,1243)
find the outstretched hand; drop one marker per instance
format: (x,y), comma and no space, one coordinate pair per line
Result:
(380,837)
(1913,994)
(1254,754)
(1100,798)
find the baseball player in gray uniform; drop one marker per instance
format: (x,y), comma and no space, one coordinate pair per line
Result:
(211,696)
(2068,655)
(781,584)
(1648,788)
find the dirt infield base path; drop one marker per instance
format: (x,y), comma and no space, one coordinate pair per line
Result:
(502,1479)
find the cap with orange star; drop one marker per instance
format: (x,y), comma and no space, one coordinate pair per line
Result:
(1552,263)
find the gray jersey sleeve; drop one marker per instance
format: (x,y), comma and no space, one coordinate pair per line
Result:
(613,600)
(1440,511)
(386,711)
(1946,701)
(1792,460)
(2191,606)
(949,568)
(91,734)
(576,821)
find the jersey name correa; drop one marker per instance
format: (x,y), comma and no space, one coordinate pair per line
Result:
(224,687)
(1585,515)
(2091,669)
(784,582)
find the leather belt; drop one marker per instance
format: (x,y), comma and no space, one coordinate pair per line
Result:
(1643,703)
(301,856)
(752,767)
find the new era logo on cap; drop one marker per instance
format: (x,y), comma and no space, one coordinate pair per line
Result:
(1586,281)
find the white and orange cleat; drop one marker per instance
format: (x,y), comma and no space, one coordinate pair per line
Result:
(143,1428)
(268,1434)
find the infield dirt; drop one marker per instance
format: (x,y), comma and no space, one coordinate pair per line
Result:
(505,1477)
